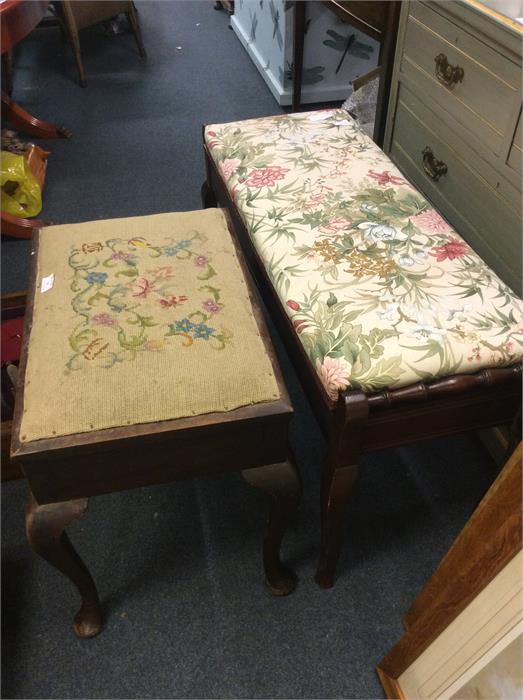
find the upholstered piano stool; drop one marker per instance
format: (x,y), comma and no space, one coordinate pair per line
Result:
(145,360)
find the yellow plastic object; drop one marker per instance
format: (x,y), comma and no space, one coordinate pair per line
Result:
(21,193)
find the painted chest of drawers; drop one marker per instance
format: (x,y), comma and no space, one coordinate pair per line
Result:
(454,122)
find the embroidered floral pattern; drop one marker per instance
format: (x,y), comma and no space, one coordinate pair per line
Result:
(129,298)
(380,289)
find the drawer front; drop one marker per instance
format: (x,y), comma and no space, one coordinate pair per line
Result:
(462,195)
(476,85)
(495,171)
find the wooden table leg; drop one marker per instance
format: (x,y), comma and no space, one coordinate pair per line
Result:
(45,527)
(337,488)
(20,228)
(283,483)
(19,118)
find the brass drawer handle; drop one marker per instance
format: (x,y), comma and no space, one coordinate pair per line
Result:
(446,74)
(432,166)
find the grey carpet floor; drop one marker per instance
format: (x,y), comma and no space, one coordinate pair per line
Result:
(178,567)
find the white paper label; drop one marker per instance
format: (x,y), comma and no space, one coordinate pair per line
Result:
(47,283)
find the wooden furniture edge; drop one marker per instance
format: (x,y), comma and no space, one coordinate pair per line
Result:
(13,306)
(390,686)
(442,602)
(484,516)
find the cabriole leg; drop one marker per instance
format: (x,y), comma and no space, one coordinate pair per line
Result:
(283,483)
(45,527)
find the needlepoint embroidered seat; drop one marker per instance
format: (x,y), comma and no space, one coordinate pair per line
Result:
(380,289)
(144,319)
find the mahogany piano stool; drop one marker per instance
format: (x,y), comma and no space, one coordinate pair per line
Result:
(109,309)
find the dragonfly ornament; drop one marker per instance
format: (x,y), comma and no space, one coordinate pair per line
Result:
(347,44)
(276,32)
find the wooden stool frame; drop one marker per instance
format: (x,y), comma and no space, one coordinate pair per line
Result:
(63,472)
(360,423)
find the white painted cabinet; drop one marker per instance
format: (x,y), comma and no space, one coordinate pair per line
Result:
(265,28)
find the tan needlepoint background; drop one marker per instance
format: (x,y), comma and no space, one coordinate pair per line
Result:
(147,319)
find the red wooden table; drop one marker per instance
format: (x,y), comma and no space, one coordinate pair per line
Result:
(17,19)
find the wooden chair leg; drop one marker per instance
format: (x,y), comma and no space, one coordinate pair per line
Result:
(135,26)
(75,45)
(283,483)
(337,488)
(72,34)
(208,197)
(45,527)
(339,473)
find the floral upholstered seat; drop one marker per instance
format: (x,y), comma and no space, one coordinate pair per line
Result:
(140,320)
(379,287)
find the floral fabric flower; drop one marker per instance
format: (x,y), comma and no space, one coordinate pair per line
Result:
(92,247)
(138,242)
(451,250)
(183,326)
(104,319)
(141,287)
(229,166)
(173,301)
(430,220)
(201,330)
(385,178)
(381,232)
(166,272)
(201,260)
(335,226)
(211,306)
(96,277)
(334,373)
(266,177)
(121,255)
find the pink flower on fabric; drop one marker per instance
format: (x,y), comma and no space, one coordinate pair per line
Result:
(266,177)
(454,249)
(334,373)
(165,272)
(212,133)
(335,225)
(293,304)
(229,166)
(300,325)
(314,201)
(430,220)
(385,178)
(141,287)
(122,256)
(173,301)
(201,261)
(104,320)
(211,306)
